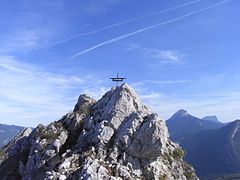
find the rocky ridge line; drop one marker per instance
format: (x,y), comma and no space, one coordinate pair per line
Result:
(116,137)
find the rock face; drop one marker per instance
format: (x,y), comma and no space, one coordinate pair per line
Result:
(116,137)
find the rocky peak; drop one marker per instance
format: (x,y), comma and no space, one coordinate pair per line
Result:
(120,102)
(116,137)
(181,113)
(122,95)
(235,123)
(84,102)
(234,126)
(211,119)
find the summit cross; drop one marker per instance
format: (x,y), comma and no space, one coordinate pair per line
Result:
(117,79)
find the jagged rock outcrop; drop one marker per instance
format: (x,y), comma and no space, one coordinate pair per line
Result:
(116,137)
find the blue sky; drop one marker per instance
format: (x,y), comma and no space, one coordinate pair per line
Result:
(176,54)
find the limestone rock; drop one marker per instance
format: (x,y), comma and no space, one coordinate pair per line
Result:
(116,137)
(83,105)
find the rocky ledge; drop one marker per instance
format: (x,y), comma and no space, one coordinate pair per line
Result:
(116,137)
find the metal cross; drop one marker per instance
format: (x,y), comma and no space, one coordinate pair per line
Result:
(117,79)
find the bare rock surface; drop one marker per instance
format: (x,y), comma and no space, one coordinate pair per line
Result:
(116,137)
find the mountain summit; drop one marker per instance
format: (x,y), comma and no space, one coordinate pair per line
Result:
(181,113)
(116,137)
(212,119)
(182,124)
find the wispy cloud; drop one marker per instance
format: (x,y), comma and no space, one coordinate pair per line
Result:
(127,35)
(169,81)
(9,63)
(35,97)
(20,41)
(29,97)
(146,83)
(204,100)
(166,56)
(224,105)
(95,10)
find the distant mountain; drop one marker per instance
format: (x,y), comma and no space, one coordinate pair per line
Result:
(7,132)
(182,124)
(215,151)
(212,119)
(211,147)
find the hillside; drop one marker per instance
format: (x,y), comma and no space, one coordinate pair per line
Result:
(215,151)
(7,132)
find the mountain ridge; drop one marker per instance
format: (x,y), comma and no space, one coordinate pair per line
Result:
(182,124)
(212,119)
(222,153)
(114,137)
(7,132)
(211,147)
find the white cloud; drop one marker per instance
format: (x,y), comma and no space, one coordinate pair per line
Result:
(169,81)
(29,97)
(202,101)
(9,63)
(143,86)
(150,96)
(20,41)
(165,56)
(224,105)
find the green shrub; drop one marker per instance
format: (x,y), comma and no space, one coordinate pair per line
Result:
(168,158)
(46,134)
(178,153)
(2,153)
(163,177)
(188,175)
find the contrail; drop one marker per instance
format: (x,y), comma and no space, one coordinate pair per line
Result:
(110,41)
(125,22)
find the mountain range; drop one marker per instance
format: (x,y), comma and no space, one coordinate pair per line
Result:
(7,132)
(215,151)
(211,147)
(182,124)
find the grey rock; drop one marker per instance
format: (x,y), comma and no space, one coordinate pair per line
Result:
(83,104)
(117,137)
